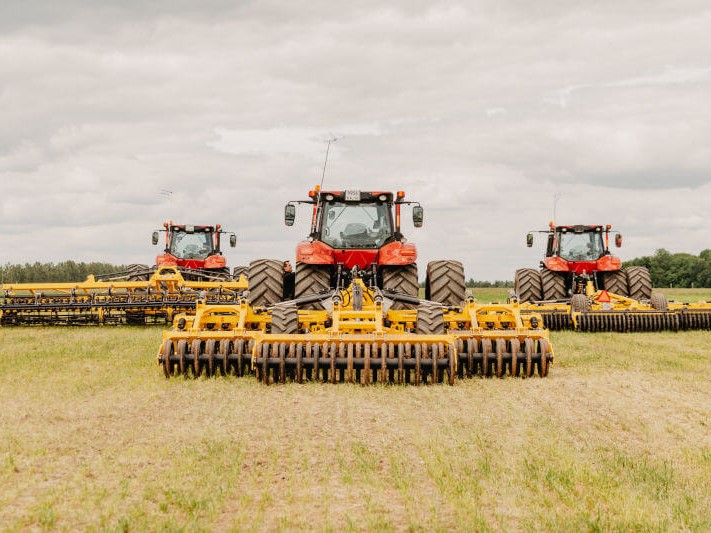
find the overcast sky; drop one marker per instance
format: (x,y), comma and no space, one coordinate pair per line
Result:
(482,111)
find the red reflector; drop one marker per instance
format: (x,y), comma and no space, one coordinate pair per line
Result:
(604,297)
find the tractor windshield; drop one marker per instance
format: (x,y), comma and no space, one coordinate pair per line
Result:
(586,246)
(191,245)
(364,225)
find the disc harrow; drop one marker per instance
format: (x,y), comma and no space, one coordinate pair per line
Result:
(608,312)
(357,338)
(92,302)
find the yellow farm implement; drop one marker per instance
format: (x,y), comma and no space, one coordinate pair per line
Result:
(91,302)
(358,337)
(600,310)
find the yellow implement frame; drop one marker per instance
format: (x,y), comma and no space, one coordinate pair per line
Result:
(600,310)
(158,299)
(357,338)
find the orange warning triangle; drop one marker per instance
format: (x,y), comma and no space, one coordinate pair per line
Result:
(604,297)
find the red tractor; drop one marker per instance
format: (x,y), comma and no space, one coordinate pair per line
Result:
(360,230)
(195,250)
(576,255)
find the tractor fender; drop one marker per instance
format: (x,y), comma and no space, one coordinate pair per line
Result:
(215,261)
(397,253)
(609,263)
(314,253)
(166,260)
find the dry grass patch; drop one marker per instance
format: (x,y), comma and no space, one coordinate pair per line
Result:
(92,436)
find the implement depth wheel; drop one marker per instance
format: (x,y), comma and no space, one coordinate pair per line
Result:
(430,319)
(285,319)
(579,303)
(659,302)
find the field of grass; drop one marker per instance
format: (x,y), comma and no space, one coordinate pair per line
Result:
(679,295)
(93,437)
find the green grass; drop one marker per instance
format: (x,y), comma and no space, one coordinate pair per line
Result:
(679,295)
(93,437)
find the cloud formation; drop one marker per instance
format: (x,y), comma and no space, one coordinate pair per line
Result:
(480,111)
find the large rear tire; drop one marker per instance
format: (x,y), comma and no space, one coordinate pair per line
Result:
(527,284)
(240,270)
(266,281)
(616,282)
(312,279)
(138,272)
(639,283)
(401,279)
(223,274)
(553,285)
(445,282)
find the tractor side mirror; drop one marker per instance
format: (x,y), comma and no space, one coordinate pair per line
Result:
(618,240)
(154,238)
(289,214)
(529,240)
(418,215)
(233,240)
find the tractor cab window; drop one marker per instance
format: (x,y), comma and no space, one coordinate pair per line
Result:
(364,225)
(585,246)
(191,245)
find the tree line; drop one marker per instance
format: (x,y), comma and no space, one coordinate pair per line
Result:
(667,270)
(676,270)
(55,272)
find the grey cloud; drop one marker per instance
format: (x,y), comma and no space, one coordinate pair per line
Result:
(228,104)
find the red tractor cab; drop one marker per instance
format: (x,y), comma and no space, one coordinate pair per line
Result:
(195,250)
(575,255)
(355,229)
(580,249)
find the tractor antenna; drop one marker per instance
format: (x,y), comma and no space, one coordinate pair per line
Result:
(328,148)
(556,197)
(323,176)
(169,195)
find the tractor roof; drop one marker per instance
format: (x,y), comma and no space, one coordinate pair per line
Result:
(190,227)
(581,228)
(355,195)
